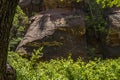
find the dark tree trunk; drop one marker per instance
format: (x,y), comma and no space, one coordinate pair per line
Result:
(7,11)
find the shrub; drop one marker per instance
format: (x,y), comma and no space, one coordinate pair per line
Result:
(65,69)
(20,23)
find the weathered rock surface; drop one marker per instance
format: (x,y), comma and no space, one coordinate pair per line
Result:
(113,37)
(60,32)
(10,73)
(32,6)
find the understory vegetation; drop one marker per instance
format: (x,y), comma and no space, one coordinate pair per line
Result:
(20,25)
(65,69)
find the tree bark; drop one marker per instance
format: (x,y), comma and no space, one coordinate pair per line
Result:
(7,11)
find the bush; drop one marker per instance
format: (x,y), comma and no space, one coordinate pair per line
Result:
(20,23)
(65,69)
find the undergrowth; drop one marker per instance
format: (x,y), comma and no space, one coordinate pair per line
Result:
(65,69)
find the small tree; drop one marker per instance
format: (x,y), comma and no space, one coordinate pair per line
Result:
(7,11)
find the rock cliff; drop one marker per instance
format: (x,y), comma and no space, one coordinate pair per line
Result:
(60,28)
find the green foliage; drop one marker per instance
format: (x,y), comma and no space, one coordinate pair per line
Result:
(95,20)
(91,52)
(36,55)
(103,3)
(65,69)
(109,3)
(19,27)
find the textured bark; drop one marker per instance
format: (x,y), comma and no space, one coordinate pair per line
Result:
(7,10)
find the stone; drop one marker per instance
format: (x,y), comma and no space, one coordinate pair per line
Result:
(112,45)
(37,2)
(11,73)
(24,3)
(113,38)
(30,7)
(60,32)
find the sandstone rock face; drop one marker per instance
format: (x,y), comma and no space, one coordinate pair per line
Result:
(114,30)
(32,6)
(24,3)
(60,32)
(113,36)
(107,46)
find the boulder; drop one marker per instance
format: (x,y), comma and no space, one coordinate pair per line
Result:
(24,3)
(10,73)
(113,36)
(30,7)
(60,32)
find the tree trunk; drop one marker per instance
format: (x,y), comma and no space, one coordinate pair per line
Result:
(7,11)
